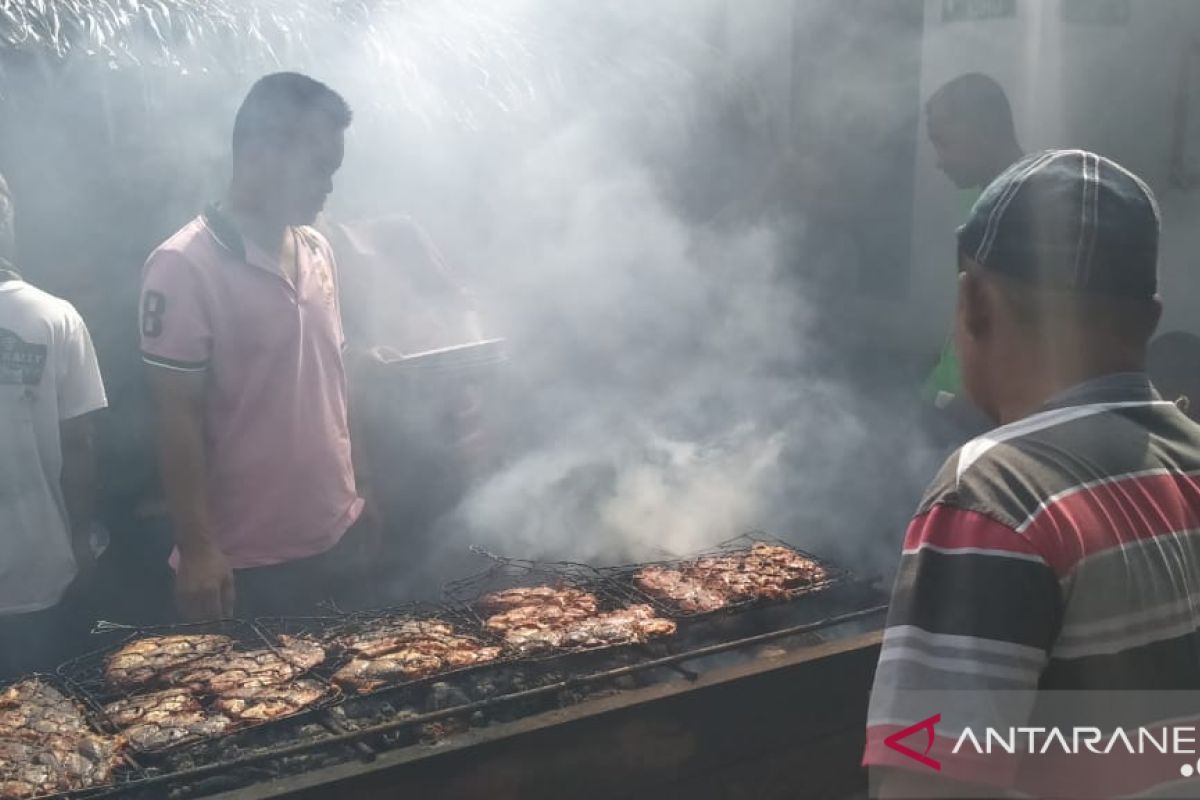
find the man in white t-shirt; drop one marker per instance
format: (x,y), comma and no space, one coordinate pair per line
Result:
(49,386)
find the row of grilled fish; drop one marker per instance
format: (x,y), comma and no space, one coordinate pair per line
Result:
(47,746)
(764,572)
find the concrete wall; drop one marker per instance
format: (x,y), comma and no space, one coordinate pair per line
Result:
(1108,87)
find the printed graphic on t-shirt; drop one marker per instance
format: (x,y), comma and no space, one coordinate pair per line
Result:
(21,363)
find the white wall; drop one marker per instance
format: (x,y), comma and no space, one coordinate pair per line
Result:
(1109,88)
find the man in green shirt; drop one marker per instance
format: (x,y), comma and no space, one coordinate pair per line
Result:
(970,126)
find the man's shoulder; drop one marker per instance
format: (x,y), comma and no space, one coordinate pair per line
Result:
(41,303)
(1014,470)
(1004,474)
(191,244)
(315,240)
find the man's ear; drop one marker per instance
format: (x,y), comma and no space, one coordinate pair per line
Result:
(973,307)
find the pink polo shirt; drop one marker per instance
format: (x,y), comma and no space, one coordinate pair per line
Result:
(280,479)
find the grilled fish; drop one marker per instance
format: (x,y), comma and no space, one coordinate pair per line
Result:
(176,728)
(538,616)
(153,708)
(531,639)
(636,623)
(367,675)
(562,597)
(690,595)
(218,673)
(142,661)
(301,652)
(764,572)
(387,636)
(260,703)
(55,764)
(32,710)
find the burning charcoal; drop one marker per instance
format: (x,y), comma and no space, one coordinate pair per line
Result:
(434,732)
(443,695)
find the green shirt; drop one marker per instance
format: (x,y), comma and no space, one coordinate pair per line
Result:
(946,376)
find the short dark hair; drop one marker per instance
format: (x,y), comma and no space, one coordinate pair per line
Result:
(276,103)
(978,100)
(1129,319)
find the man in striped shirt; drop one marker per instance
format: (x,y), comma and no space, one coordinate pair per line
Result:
(1057,551)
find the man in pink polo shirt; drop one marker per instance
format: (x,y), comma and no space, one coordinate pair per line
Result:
(242,333)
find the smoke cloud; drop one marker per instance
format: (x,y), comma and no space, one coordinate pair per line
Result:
(670,210)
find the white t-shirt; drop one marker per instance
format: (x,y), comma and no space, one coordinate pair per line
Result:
(48,373)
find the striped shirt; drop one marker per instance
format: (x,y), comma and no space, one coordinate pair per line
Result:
(1060,552)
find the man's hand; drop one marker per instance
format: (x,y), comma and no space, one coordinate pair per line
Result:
(85,556)
(204,585)
(370,523)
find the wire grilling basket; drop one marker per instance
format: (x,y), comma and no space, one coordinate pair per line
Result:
(196,684)
(34,750)
(543,610)
(748,571)
(410,645)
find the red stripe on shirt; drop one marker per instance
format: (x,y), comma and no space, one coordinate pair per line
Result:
(953,528)
(1094,520)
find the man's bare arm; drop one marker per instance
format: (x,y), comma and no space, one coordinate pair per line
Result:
(78,482)
(203,580)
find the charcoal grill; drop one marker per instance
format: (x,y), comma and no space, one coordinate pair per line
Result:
(585,723)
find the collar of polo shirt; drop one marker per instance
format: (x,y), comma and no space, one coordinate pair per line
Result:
(228,236)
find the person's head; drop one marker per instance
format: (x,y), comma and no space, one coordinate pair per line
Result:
(970,126)
(1058,280)
(288,141)
(1173,363)
(8,239)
